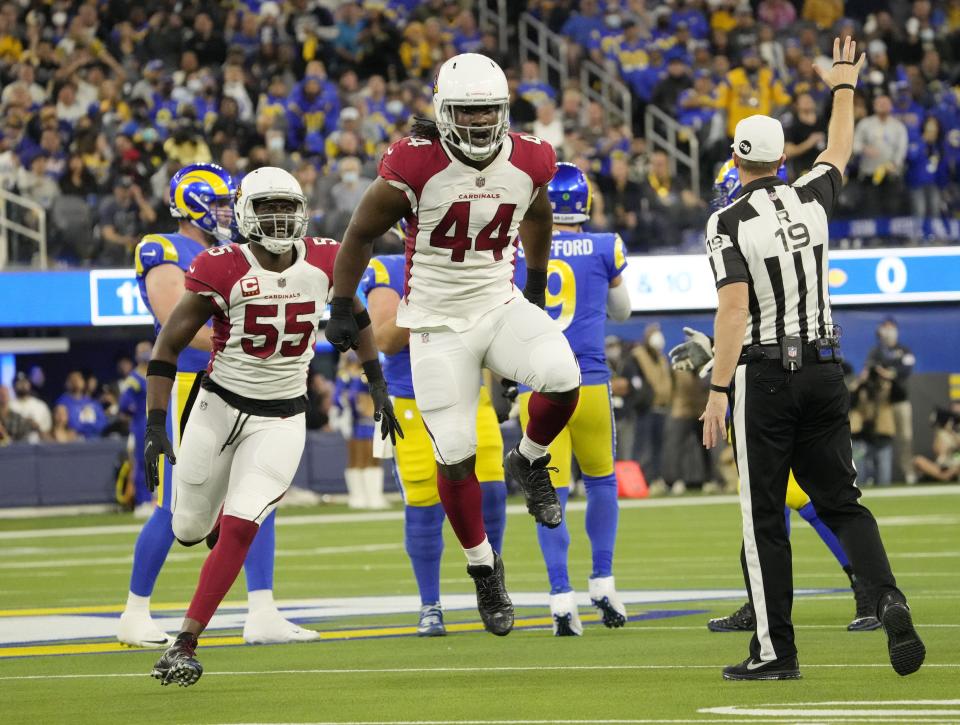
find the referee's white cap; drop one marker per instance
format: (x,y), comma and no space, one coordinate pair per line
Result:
(758,138)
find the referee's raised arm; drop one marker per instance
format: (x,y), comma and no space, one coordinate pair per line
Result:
(842,81)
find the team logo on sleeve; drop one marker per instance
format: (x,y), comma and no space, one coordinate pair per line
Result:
(249,287)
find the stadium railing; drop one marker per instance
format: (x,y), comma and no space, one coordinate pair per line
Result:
(662,131)
(14,210)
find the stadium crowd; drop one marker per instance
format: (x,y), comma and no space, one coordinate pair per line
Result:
(103,101)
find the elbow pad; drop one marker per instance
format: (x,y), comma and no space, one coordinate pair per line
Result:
(618,303)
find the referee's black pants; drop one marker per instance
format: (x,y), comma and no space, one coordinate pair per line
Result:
(796,421)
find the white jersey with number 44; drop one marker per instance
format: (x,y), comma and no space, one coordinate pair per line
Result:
(462,230)
(265,323)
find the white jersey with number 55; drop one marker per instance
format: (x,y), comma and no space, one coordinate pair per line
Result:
(265,322)
(463,225)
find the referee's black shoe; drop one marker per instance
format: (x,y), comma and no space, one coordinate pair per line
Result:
(741,620)
(903,643)
(786,668)
(533,478)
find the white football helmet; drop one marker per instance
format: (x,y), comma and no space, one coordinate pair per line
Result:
(470,79)
(270,183)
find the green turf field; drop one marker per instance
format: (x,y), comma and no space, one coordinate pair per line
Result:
(62,582)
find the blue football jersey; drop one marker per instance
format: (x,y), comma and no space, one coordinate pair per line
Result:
(582,265)
(388,271)
(178,249)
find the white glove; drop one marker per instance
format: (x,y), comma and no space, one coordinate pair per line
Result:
(693,354)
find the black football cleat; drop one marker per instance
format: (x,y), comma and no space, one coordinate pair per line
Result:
(179,663)
(534,480)
(903,643)
(740,621)
(865,620)
(493,602)
(786,668)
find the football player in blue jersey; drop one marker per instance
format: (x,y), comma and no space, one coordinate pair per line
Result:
(696,354)
(415,467)
(584,287)
(133,403)
(201,199)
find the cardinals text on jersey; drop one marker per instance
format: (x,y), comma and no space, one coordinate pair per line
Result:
(265,322)
(463,225)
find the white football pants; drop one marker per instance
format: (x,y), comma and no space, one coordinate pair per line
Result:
(243,463)
(517,341)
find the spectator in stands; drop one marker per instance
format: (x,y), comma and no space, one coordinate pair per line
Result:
(668,207)
(33,181)
(61,432)
(415,52)
(926,171)
(346,193)
(778,14)
(622,199)
(206,41)
(548,126)
(824,13)
(534,90)
(123,218)
(379,46)
(522,112)
(84,414)
(571,110)
(675,82)
(894,362)
(13,426)
(655,371)
(748,90)
(30,407)
(583,25)
(806,136)
(880,146)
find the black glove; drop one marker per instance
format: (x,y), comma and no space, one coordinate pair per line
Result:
(693,354)
(535,290)
(510,389)
(382,407)
(342,331)
(155,444)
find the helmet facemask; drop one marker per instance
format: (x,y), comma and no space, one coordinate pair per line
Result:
(476,142)
(274,220)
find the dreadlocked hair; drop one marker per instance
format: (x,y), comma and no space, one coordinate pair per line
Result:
(424,128)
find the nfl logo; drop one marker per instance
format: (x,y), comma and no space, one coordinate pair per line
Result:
(281,282)
(424,337)
(792,351)
(481,181)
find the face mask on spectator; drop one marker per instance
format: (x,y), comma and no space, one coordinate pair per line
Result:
(351,177)
(275,142)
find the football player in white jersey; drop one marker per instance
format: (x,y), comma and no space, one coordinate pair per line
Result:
(465,186)
(243,441)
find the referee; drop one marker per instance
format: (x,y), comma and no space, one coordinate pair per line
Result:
(777,366)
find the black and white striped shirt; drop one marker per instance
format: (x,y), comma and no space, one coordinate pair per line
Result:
(774,237)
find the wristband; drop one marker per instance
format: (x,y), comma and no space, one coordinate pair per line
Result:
(720,388)
(536,280)
(341,306)
(158,416)
(371,368)
(842,87)
(162,368)
(363,319)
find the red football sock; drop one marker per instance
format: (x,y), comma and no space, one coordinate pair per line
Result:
(548,417)
(222,567)
(463,503)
